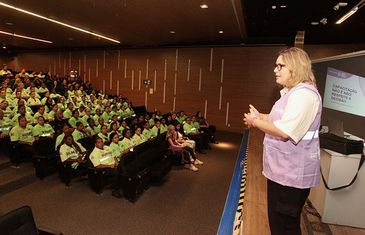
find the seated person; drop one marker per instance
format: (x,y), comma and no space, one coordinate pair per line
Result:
(102,157)
(52,113)
(5,127)
(147,131)
(41,112)
(103,134)
(127,142)
(138,138)
(22,112)
(22,136)
(114,128)
(117,147)
(74,119)
(156,130)
(42,129)
(179,150)
(85,118)
(67,114)
(183,139)
(193,133)
(92,129)
(123,126)
(164,127)
(71,151)
(33,100)
(66,130)
(79,132)
(206,127)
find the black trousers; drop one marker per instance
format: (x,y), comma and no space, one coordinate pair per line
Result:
(284,208)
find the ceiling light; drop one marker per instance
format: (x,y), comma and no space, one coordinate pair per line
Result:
(323,21)
(273,7)
(347,15)
(57,22)
(9,23)
(314,23)
(204,6)
(351,12)
(26,37)
(4,47)
(282,6)
(172,32)
(220,31)
(338,5)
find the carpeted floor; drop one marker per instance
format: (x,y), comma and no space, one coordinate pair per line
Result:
(187,203)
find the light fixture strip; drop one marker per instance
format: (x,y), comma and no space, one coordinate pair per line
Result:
(351,12)
(58,22)
(26,37)
(347,15)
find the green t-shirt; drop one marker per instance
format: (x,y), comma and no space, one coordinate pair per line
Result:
(102,156)
(18,133)
(67,114)
(107,116)
(147,133)
(104,137)
(5,125)
(72,121)
(138,139)
(164,128)
(116,150)
(42,131)
(59,140)
(78,135)
(154,131)
(126,143)
(189,129)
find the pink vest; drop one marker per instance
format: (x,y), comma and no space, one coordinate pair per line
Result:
(289,164)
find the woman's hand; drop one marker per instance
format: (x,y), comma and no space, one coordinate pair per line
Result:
(254,111)
(249,119)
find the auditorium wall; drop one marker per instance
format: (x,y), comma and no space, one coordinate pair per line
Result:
(221,82)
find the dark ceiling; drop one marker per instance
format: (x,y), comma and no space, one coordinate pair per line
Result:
(148,23)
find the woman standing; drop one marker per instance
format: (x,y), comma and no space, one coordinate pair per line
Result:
(291,146)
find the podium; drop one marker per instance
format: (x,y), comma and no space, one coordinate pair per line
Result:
(345,206)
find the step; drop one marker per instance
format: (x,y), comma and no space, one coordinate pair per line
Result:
(12,179)
(4,162)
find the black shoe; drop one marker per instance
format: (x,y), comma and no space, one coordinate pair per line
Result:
(116,193)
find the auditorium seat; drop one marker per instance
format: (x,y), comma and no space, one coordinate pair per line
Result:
(21,221)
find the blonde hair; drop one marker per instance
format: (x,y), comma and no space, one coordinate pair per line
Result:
(300,66)
(170,131)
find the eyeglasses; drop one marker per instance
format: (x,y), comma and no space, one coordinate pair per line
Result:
(279,66)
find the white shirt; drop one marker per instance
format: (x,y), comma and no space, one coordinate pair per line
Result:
(299,113)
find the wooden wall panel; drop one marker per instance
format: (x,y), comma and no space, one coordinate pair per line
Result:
(243,74)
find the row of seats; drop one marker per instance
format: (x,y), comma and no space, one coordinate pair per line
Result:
(146,163)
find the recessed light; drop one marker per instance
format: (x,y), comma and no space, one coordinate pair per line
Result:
(70,39)
(4,47)
(57,22)
(273,7)
(282,6)
(9,23)
(314,23)
(220,31)
(172,32)
(204,6)
(25,37)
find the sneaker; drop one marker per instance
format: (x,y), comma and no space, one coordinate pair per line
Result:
(191,167)
(198,162)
